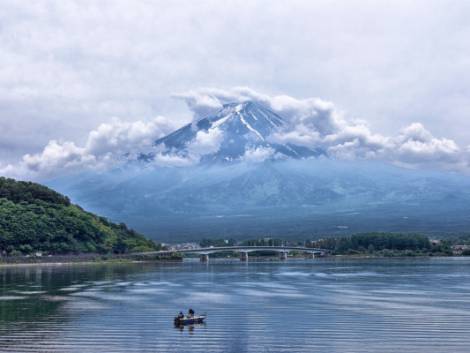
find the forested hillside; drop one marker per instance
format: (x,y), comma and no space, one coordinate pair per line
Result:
(35,218)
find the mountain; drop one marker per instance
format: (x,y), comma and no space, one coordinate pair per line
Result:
(36,218)
(298,192)
(243,126)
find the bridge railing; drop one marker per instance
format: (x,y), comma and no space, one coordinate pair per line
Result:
(244,249)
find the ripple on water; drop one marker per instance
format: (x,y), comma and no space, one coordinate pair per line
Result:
(358,274)
(208,297)
(271,293)
(290,308)
(12,297)
(294,274)
(29,292)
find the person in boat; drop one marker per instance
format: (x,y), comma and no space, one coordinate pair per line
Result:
(190,313)
(180,315)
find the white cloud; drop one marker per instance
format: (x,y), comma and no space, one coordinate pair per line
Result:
(258,154)
(205,142)
(201,104)
(123,137)
(356,141)
(106,146)
(416,145)
(9,170)
(172,160)
(58,155)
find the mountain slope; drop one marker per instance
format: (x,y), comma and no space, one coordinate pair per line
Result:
(36,218)
(298,198)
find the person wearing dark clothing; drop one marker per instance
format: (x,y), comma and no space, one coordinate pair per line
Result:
(190,313)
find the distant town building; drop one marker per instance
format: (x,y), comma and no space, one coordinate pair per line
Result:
(183,246)
(458,249)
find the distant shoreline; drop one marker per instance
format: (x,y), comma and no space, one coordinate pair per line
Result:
(82,259)
(60,264)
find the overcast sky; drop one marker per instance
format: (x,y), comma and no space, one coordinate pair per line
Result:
(68,66)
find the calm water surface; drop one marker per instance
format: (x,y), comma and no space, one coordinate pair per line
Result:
(295,306)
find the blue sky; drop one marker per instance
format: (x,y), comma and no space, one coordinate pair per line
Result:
(71,69)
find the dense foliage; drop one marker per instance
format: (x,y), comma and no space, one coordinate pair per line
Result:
(35,218)
(388,244)
(18,191)
(459,239)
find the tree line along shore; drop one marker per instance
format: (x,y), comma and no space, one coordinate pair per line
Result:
(379,244)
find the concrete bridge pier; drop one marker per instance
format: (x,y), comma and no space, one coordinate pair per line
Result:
(311,255)
(283,255)
(244,256)
(204,257)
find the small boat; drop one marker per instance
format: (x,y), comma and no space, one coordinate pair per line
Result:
(198,319)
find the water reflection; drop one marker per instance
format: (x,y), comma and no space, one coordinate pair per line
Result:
(189,328)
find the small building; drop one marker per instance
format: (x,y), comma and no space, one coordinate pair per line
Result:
(458,249)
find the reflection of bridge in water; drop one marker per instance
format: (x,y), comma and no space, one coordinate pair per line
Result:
(242,250)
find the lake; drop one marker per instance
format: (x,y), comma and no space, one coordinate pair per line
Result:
(320,305)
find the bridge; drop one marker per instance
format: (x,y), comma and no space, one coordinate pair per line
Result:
(242,250)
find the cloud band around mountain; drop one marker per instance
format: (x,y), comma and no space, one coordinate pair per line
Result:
(316,123)
(311,122)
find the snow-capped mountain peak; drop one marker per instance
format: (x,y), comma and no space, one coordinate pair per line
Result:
(236,130)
